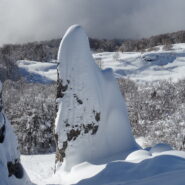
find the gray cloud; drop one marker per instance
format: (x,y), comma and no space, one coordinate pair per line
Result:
(29,20)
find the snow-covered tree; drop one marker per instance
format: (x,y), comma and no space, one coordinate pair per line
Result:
(31,109)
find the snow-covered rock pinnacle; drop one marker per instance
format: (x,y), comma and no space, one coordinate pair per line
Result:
(92,122)
(11,170)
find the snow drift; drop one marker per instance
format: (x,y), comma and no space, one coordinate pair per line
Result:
(92,122)
(11,170)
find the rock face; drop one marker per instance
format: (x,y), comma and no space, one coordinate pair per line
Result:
(92,122)
(11,170)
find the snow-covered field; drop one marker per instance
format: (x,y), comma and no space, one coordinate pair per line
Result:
(146,66)
(139,168)
(140,67)
(39,167)
(146,166)
(39,72)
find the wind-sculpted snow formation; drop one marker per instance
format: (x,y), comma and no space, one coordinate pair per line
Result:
(92,122)
(11,170)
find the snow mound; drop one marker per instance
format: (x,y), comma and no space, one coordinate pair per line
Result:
(164,169)
(92,122)
(139,168)
(138,155)
(11,170)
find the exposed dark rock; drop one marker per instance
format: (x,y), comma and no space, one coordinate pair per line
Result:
(60,154)
(90,127)
(1,102)
(61,88)
(2,133)
(66,122)
(86,129)
(78,100)
(15,169)
(73,134)
(95,129)
(56,137)
(97,116)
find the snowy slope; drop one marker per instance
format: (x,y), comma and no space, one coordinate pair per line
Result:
(39,72)
(141,67)
(147,66)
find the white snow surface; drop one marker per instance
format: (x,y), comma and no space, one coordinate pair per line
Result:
(147,66)
(40,72)
(99,95)
(39,167)
(139,168)
(140,67)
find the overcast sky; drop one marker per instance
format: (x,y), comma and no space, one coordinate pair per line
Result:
(29,20)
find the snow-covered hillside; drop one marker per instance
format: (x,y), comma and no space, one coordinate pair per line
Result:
(140,67)
(146,66)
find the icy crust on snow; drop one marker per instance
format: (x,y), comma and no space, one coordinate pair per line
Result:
(11,171)
(92,122)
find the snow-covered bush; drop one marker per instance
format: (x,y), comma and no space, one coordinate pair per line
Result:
(31,109)
(11,170)
(8,68)
(157,111)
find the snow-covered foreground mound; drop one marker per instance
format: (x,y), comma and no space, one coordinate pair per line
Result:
(140,168)
(92,123)
(166,170)
(11,170)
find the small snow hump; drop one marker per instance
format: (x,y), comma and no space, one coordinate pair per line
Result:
(92,121)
